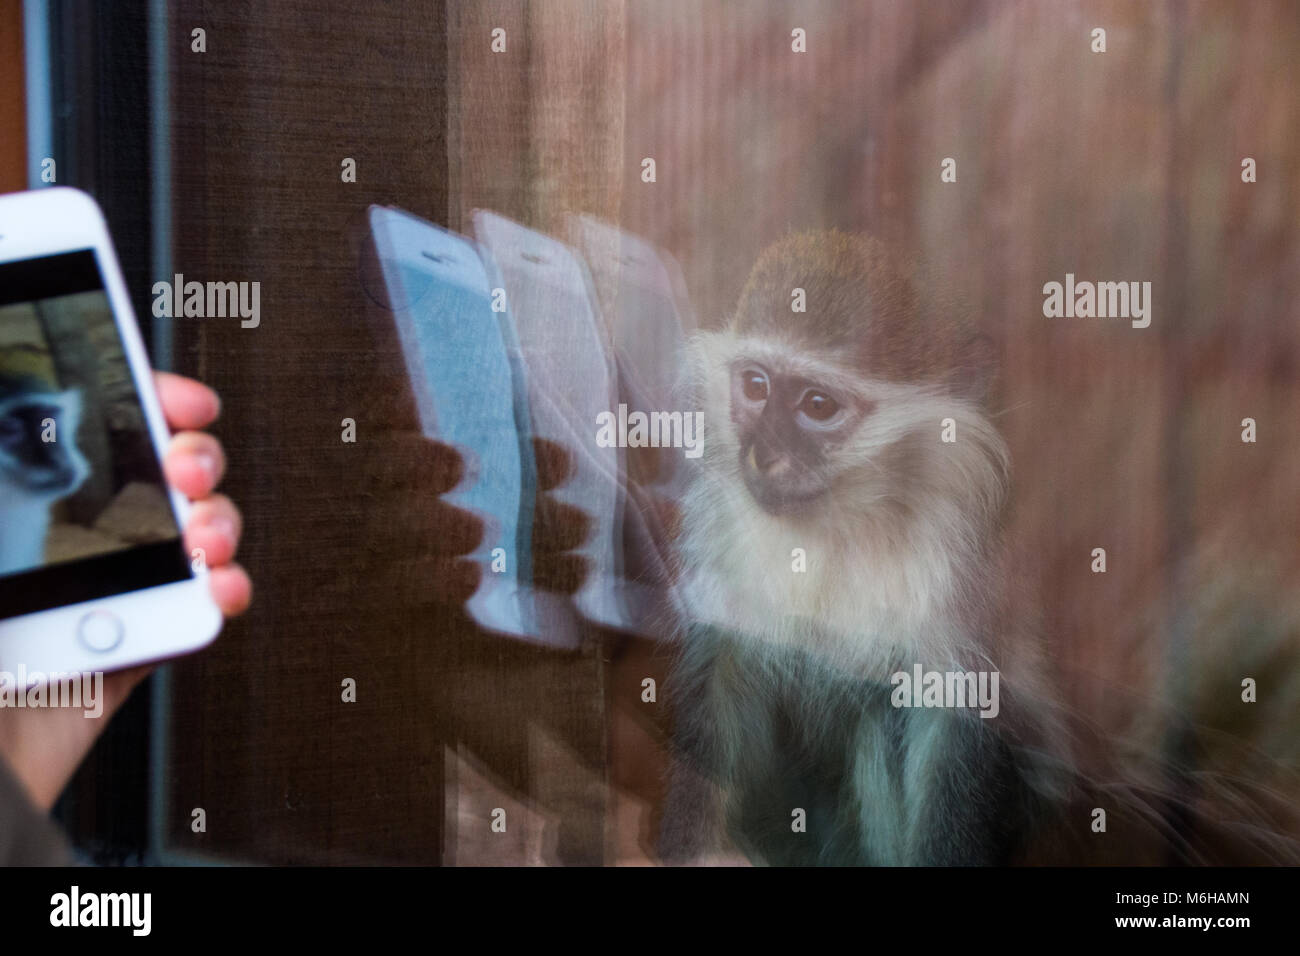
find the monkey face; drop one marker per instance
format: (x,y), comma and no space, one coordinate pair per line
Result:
(787,426)
(39,461)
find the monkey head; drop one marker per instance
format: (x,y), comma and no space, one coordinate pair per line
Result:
(38,432)
(836,378)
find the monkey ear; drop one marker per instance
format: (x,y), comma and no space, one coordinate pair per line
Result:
(974,367)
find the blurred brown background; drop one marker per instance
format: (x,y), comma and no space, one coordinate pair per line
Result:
(1123,165)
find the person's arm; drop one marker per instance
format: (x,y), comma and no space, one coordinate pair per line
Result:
(28,837)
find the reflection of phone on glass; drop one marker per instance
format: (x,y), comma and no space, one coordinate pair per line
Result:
(93,572)
(570,382)
(435,287)
(637,287)
(637,301)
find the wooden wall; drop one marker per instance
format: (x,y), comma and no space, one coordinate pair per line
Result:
(13,104)
(1116,165)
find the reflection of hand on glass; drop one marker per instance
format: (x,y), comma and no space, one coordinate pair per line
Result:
(406,485)
(424,468)
(44,745)
(412,474)
(559,529)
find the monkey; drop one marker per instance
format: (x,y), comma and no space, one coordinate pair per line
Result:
(847,525)
(825,446)
(35,473)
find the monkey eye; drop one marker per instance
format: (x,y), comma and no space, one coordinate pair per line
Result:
(754,384)
(818,406)
(12,430)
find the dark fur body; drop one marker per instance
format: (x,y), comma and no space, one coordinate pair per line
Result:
(781,693)
(778,732)
(782,690)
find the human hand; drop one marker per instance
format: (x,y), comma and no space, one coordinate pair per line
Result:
(44,746)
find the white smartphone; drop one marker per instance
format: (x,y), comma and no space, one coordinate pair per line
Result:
(570,378)
(93,572)
(436,292)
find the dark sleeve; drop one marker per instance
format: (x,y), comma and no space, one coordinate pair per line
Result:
(27,836)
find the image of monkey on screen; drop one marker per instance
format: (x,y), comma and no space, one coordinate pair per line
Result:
(77,469)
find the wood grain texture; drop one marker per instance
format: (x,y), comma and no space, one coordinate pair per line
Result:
(13,102)
(1123,165)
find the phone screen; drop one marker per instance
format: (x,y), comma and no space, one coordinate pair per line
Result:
(84,509)
(569,385)
(462,378)
(436,288)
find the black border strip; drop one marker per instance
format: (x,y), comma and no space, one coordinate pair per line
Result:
(48,277)
(87,579)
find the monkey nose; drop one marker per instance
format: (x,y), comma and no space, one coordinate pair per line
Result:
(768,461)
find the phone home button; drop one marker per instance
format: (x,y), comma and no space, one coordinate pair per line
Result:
(100,631)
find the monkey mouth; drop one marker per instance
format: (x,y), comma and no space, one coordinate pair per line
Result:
(51,480)
(787,494)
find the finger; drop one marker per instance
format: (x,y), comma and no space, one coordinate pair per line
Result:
(436,581)
(558,526)
(432,526)
(194,463)
(231,589)
(408,460)
(555,463)
(409,583)
(375,528)
(564,573)
(647,465)
(186,404)
(448,530)
(215,526)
